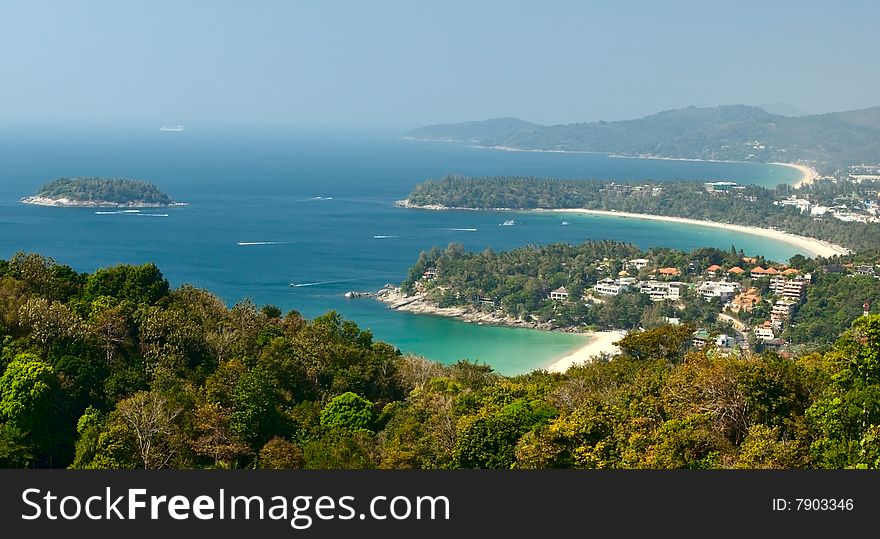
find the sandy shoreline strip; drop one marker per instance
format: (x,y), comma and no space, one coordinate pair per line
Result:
(808,174)
(602,342)
(810,245)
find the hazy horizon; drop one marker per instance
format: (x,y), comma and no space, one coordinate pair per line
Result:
(399,65)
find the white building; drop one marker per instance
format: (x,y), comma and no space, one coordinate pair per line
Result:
(802,204)
(659,290)
(611,287)
(718,289)
(639,263)
(782,310)
(764,333)
(560,294)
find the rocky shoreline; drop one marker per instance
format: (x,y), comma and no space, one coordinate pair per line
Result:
(419,303)
(69,203)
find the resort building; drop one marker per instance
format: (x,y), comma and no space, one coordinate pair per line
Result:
(701,338)
(765,332)
(718,289)
(759,272)
(613,287)
(639,263)
(801,204)
(781,311)
(865,270)
(792,290)
(430,273)
(669,272)
(719,187)
(560,294)
(713,269)
(659,290)
(736,270)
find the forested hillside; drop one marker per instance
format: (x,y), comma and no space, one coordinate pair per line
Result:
(115,369)
(728,132)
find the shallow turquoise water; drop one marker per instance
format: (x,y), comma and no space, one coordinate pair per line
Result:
(317,210)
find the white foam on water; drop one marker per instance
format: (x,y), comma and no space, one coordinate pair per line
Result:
(385,237)
(463,229)
(264,242)
(319,283)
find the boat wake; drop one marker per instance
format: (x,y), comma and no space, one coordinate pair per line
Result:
(385,237)
(108,212)
(319,283)
(463,229)
(245,243)
(152,215)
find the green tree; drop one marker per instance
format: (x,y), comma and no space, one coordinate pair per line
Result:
(348,411)
(280,454)
(666,342)
(137,284)
(29,404)
(255,416)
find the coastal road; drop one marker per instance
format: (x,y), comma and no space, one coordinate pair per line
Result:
(740,328)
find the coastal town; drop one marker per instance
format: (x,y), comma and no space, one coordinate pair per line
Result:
(746,304)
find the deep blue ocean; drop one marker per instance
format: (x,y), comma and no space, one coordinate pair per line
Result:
(270,209)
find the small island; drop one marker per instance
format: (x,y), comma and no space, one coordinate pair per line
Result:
(101,193)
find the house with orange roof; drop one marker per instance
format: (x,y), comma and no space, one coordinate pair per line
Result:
(750,260)
(736,270)
(714,268)
(669,272)
(790,271)
(758,272)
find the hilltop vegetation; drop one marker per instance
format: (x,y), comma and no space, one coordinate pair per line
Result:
(115,370)
(495,128)
(729,132)
(102,191)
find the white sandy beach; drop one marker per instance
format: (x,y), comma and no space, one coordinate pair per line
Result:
(808,174)
(810,245)
(603,342)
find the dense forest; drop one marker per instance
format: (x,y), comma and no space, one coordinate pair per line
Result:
(751,205)
(115,369)
(113,190)
(729,132)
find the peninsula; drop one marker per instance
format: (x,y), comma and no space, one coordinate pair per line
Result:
(100,193)
(810,217)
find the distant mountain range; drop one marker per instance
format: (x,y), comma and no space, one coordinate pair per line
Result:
(727,132)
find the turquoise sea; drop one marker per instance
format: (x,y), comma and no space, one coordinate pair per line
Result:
(267,209)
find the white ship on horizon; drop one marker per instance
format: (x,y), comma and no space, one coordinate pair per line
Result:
(173,128)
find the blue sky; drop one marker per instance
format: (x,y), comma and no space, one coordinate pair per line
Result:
(408,63)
